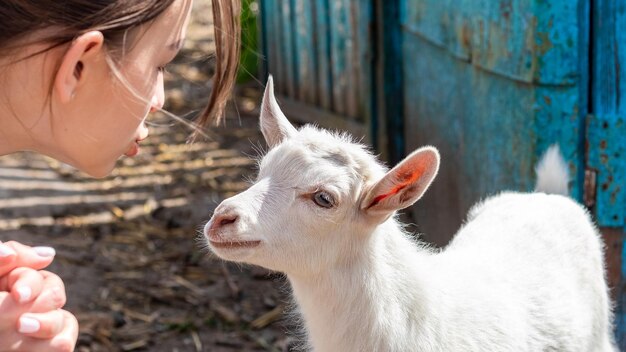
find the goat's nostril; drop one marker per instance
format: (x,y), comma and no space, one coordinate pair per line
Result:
(227,220)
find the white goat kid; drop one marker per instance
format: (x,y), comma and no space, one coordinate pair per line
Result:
(525,273)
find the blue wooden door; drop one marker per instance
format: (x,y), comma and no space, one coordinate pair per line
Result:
(494,83)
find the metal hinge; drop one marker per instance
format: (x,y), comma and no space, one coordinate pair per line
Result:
(589,188)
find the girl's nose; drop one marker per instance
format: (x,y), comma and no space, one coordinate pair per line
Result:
(158,99)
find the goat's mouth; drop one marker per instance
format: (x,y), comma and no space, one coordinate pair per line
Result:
(235,244)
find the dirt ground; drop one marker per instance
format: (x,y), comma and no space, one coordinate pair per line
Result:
(130,250)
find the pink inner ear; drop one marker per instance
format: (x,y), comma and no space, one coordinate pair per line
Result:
(383,196)
(406,178)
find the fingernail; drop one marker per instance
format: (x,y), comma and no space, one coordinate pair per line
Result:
(25,292)
(29,325)
(6,251)
(45,251)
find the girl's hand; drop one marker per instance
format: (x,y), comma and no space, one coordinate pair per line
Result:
(14,255)
(32,318)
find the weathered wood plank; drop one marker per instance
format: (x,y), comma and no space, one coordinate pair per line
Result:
(270,34)
(305,52)
(606,131)
(321,53)
(305,113)
(287,46)
(264,30)
(322,44)
(277,59)
(620,42)
(339,44)
(390,80)
(362,12)
(353,60)
(609,57)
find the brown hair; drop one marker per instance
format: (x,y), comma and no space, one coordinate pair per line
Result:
(114,18)
(226,17)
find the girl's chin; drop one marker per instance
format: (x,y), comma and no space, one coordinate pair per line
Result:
(97,170)
(100,170)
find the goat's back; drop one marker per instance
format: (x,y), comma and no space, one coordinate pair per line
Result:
(538,259)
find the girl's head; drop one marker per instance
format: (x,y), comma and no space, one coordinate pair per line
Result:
(79,77)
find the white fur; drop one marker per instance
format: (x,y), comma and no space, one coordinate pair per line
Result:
(552,174)
(525,273)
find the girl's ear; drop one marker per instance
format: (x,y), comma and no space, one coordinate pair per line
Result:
(274,123)
(403,185)
(75,62)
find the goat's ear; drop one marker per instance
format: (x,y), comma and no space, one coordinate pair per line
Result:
(403,185)
(274,123)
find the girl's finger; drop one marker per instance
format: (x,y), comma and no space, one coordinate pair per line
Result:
(6,253)
(64,341)
(52,295)
(41,325)
(8,313)
(8,256)
(25,284)
(31,257)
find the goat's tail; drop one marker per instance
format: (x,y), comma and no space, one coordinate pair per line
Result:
(552,173)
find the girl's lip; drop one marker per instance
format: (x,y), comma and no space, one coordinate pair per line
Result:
(133,150)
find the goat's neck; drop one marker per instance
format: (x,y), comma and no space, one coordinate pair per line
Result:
(362,305)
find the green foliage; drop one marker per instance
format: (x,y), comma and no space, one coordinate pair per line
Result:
(249,58)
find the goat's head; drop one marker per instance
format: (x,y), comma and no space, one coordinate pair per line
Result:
(318,196)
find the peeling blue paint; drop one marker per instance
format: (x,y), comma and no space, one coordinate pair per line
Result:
(606,130)
(607,155)
(493,84)
(519,39)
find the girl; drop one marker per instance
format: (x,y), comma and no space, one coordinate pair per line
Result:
(78,79)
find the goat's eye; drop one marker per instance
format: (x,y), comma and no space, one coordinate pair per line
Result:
(324,199)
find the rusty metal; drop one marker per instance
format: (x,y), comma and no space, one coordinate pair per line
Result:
(613,240)
(589,188)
